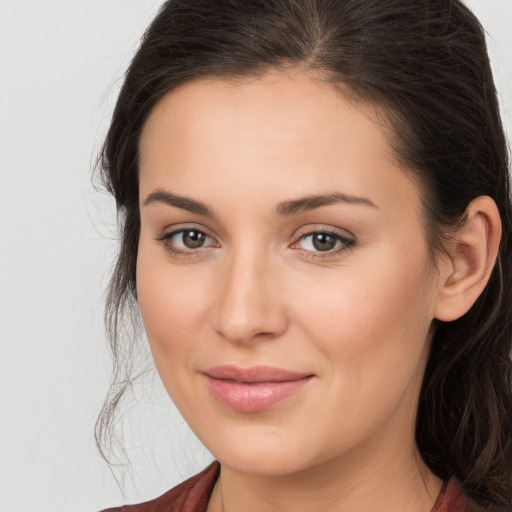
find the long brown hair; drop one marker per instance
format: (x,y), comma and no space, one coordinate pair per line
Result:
(424,63)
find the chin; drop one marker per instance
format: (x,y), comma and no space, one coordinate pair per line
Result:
(261,453)
(254,462)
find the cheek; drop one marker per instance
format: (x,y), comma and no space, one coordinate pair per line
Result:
(370,332)
(371,322)
(175,310)
(174,306)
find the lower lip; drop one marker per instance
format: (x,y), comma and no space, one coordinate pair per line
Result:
(252,397)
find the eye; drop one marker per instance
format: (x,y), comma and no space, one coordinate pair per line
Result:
(323,243)
(186,241)
(189,239)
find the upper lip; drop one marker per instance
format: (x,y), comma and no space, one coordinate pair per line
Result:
(255,374)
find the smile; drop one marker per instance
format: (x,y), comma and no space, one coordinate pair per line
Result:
(253,389)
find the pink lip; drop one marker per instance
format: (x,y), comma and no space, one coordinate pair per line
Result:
(253,389)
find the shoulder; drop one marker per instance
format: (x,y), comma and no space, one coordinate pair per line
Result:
(192,495)
(452,499)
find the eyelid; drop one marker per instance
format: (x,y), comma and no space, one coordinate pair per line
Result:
(173,229)
(322,228)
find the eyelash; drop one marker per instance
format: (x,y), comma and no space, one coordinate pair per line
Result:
(168,245)
(346,243)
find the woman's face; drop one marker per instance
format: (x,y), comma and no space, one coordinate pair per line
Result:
(283,273)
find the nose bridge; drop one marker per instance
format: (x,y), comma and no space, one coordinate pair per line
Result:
(249,303)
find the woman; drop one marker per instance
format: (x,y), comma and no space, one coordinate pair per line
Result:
(316,229)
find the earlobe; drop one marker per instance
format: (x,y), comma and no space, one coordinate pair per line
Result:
(472,255)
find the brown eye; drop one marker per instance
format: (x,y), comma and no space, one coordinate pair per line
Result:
(192,238)
(323,241)
(187,241)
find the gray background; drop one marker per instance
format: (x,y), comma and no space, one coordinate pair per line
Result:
(61,64)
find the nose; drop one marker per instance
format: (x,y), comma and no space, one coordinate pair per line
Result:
(251,301)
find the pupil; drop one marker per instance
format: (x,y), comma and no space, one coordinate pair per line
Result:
(193,239)
(323,242)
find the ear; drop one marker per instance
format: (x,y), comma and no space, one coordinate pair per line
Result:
(471,257)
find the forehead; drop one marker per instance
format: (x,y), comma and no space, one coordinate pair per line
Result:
(291,105)
(281,130)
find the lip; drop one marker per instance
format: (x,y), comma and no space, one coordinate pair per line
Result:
(253,389)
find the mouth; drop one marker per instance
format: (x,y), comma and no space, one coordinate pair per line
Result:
(253,389)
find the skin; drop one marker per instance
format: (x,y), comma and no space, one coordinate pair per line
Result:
(258,292)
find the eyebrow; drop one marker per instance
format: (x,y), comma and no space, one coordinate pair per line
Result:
(284,209)
(307,203)
(185,203)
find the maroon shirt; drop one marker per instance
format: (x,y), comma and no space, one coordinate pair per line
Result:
(193,495)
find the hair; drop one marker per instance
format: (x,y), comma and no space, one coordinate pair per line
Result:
(424,65)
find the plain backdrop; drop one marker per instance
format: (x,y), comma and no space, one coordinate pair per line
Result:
(61,66)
